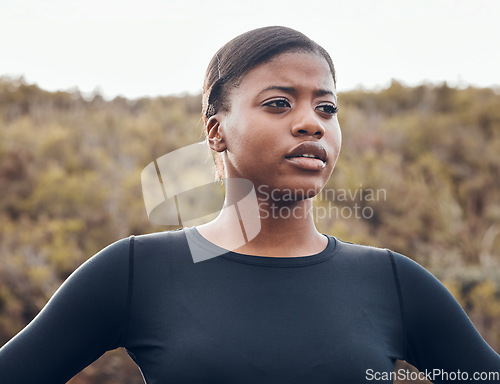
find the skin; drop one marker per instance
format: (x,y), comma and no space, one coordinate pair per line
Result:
(279,104)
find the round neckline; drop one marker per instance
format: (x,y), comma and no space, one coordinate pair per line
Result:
(271,261)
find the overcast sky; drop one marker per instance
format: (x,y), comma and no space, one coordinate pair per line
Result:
(161,47)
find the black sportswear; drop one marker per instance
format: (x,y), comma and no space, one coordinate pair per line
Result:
(340,316)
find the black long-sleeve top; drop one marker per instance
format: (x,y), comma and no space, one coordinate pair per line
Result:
(343,315)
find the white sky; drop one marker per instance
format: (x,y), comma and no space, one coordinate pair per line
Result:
(160,47)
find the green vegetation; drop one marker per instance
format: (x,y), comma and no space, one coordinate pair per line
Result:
(70,184)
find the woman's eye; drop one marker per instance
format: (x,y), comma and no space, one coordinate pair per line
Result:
(328,108)
(278,103)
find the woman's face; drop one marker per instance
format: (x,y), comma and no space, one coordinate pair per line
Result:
(282,131)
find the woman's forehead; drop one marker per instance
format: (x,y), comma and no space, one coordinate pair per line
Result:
(293,70)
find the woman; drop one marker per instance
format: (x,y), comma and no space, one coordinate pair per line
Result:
(290,305)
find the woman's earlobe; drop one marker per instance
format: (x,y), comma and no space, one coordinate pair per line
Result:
(215,139)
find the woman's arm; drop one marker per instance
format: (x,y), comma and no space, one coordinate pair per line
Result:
(439,335)
(86,317)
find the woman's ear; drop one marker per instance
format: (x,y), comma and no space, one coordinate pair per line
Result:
(215,136)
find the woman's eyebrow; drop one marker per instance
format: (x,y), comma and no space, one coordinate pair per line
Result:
(279,88)
(292,90)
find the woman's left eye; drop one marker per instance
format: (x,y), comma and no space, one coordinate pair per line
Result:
(328,108)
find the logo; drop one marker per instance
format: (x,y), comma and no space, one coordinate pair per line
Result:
(179,190)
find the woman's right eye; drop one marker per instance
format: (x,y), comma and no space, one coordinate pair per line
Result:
(278,103)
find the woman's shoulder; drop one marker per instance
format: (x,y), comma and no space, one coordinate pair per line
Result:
(358,251)
(376,259)
(150,244)
(413,281)
(170,245)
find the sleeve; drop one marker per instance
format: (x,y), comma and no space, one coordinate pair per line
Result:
(86,317)
(440,338)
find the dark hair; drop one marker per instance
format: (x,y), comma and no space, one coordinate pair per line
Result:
(244,52)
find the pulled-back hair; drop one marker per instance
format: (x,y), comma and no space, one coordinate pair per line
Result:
(244,52)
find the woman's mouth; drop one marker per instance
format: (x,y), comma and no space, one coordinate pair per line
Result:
(308,155)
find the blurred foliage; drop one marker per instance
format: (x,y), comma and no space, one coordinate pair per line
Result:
(421,165)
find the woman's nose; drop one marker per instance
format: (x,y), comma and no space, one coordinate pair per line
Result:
(308,123)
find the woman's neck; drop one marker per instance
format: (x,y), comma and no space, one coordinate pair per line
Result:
(253,225)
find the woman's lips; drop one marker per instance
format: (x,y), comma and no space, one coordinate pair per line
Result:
(308,155)
(309,164)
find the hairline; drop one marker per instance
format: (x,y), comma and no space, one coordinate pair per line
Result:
(293,49)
